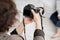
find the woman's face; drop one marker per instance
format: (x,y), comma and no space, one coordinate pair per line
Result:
(28,20)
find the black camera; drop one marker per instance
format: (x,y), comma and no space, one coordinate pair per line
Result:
(27,10)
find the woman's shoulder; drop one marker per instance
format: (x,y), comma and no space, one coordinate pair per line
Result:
(14,37)
(4,36)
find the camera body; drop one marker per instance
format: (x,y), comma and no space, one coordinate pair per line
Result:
(27,10)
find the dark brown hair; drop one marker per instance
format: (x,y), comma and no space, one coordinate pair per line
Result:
(7,14)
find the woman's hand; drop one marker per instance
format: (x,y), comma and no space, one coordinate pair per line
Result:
(28,20)
(37,18)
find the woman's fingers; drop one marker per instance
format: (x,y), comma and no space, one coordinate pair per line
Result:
(36,15)
(41,10)
(33,12)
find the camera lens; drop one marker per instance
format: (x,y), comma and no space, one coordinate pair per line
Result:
(27,10)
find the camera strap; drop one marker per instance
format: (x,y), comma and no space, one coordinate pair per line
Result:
(41,20)
(24,30)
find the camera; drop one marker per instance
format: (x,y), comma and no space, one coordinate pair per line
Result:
(27,10)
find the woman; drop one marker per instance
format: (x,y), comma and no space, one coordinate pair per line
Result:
(38,34)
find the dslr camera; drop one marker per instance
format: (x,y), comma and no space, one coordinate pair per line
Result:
(27,10)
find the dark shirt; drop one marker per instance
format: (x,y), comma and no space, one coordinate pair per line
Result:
(14,32)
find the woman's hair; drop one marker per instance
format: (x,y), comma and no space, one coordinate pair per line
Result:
(7,14)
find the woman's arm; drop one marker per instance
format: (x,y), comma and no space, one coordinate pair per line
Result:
(20,28)
(38,34)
